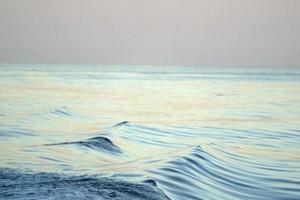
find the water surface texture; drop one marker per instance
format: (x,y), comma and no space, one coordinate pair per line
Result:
(176,133)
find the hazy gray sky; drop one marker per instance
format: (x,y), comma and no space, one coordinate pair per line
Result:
(151,32)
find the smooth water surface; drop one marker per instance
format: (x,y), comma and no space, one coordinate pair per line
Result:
(113,132)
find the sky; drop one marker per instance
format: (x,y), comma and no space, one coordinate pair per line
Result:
(151,32)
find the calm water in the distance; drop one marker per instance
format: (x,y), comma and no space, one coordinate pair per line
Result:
(103,132)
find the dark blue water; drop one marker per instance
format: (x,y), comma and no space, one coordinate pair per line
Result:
(88,132)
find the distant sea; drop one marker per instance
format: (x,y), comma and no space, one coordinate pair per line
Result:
(142,132)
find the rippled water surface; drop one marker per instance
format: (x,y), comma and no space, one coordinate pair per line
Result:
(113,132)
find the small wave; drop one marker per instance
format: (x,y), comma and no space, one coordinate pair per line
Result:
(16,133)
(18,185)
(60,112)
(121,123)
(95,143)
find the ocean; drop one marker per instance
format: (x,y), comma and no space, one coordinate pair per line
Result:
(142,132)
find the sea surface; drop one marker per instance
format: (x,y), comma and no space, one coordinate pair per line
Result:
(137,132)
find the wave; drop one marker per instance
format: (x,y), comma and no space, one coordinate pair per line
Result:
(95,143)
(146,162)
(242,166)
(213,178)
(16,132)
(121,123)
(20,185)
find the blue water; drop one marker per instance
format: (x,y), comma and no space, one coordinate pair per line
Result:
(121,132)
